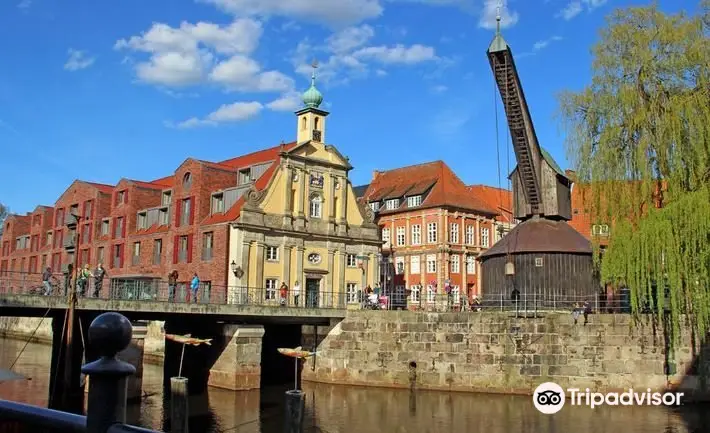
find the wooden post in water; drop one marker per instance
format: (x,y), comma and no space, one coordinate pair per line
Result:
(179,408)
(295,404)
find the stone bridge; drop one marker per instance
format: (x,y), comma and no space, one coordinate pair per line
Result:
(244,337)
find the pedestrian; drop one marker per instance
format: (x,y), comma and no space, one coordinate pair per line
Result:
(83,279)
(194,286)
(296,290)
(172,283)
(46,281)
(99,274)
(576,310)
(587,309)
(283,293)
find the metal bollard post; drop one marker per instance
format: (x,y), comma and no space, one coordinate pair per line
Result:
(295,404)
(109,334)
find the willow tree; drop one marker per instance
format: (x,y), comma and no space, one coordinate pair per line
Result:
(639,138)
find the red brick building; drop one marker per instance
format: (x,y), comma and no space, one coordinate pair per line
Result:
(141,230)
(433,227)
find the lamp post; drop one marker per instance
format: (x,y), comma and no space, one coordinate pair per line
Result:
(69,344)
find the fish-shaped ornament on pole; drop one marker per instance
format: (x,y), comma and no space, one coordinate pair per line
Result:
(184,340)
(298,353)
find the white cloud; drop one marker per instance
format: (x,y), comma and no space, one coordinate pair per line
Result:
(24,4)
(339,13)
(78,60)
(490,12)
(575,7)
(288,102)
(539,45)
(184,55)
(350,38)
(397,54)
(228,113)
(244,74)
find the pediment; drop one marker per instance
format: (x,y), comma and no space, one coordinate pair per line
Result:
(315,151)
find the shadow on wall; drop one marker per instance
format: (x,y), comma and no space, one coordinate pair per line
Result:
(277,369)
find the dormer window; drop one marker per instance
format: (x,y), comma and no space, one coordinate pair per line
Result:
(392,204)
(217,202)
(167,198)
(244,176)
(187,180)
(120,197)
(375,206)
(414,201)
(142,221)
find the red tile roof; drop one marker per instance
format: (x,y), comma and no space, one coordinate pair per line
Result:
(497,198)
(444,188)
(106,189)
(258,157)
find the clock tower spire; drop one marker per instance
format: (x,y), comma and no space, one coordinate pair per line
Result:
(311,119)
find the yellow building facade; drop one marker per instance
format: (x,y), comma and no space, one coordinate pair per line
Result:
(306,227)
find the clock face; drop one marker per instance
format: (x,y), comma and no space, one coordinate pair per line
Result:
(314,258)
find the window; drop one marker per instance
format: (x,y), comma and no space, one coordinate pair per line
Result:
(351,291)
(304,123)
(218,203)
(414,201)
(416,235)
(118,233)
(469,235)
(600,230)
(351,260)
(272,253)
(157,251)
(187,180)
(401,236)
(163,217)
(392,204)
(414,265)
(136,257)
(183,242)
(455,264)
(58,239)
(431,233)
(454,235)
(430,294)
(49,238)
(104,227)
(185,209)
(117,256)
(244,176)
(386,236)
(399,265)
(100,255)
(142,220)
(120,197)
(431,264)
(316,206)
(456,294)
(271,285)
(44,262)
(207,243)
(415,293)
(538,262)
(484,237)
(60,218)
(88,208)
(167,198)
(86,234)
(470,265)
(375,206)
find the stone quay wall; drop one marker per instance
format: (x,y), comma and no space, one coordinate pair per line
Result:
(22,328)
(496,352)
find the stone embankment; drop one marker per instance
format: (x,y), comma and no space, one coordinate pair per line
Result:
(40,331)
(497,352)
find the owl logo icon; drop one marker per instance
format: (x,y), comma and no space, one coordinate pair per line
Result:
(549,398)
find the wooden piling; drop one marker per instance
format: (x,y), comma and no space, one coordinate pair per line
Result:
(179,409)
(295,405)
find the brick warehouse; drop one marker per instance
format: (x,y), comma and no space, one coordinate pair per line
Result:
(141,231)
(433,227)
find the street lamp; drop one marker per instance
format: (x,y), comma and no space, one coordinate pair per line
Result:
(236,270)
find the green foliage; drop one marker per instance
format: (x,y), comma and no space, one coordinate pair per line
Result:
(639,136)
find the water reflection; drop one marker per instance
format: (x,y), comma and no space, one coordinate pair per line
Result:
(338,409)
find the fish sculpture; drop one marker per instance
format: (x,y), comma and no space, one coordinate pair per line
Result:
(296,353)
(189,339)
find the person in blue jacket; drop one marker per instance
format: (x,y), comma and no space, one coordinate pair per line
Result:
(194,286)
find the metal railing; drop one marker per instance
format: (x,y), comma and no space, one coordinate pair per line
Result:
(109,333)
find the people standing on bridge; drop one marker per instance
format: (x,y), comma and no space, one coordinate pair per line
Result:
(194,286)
(283,294)
(172,283)
(82,279)
(296,290)
(46,281)
(99,274)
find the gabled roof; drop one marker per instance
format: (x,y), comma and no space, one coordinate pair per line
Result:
(258,157)
(435,180)
(102,187)
(359,191)
(499,199)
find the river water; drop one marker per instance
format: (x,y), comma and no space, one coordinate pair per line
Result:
(343,409)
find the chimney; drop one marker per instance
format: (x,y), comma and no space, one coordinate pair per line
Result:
(375,174)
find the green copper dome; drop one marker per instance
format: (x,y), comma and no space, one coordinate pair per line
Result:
(312,98)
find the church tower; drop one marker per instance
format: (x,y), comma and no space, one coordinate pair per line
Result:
(311,119)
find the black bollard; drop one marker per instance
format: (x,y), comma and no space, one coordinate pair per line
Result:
(295,405)
(179,408)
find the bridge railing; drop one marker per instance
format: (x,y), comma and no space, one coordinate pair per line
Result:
(109,333)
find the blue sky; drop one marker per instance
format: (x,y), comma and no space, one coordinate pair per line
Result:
(100,91)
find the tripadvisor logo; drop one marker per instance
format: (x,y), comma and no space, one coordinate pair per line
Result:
(550,398)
